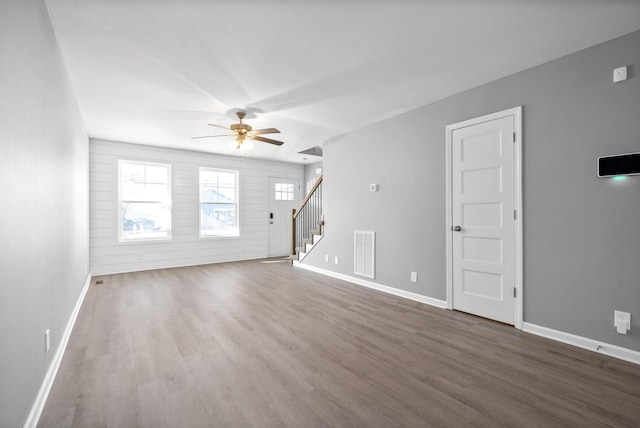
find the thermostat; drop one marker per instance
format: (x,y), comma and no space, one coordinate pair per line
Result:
(619,74)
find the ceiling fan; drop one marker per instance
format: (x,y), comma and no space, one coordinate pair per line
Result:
(242,131)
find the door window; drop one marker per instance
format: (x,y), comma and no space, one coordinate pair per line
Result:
(284,192)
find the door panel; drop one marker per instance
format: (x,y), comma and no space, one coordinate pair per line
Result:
(482,250)
(488,215)
(483,200)
(483,285)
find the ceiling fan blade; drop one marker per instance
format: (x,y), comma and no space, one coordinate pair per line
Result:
(268,140)
(211,136)
(223,127)
(265,131)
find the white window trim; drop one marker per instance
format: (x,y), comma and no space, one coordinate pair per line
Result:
(122,240)
(237,204)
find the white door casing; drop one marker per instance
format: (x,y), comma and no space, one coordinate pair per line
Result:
(484,205)
(280,215)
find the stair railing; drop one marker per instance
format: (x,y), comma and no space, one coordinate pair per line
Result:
(307,217)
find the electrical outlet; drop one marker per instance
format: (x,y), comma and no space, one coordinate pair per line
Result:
(414,276)
(622,321)
(47,342)
(336,260)
(326,258)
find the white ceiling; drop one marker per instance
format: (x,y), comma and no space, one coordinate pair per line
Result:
(157,71)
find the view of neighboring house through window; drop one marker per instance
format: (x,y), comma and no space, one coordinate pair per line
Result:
(218,202)
(144,200)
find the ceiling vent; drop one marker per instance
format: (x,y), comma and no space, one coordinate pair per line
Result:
(313,151)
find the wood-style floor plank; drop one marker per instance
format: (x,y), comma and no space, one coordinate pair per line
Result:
(261,344)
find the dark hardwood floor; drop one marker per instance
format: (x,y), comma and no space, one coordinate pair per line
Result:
(261,344)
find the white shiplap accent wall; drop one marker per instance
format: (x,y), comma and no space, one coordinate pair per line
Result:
(185,248)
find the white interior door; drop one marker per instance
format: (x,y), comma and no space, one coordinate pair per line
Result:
(284,195)
(484,198)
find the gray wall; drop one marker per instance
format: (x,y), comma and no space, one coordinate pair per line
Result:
(44,222)
(581,233)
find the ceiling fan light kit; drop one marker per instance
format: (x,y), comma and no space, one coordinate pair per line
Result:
(241,131)
(242,146)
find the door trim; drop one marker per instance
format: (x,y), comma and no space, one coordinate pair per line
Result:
(516,113)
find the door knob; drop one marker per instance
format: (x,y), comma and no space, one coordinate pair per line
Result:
(456,228)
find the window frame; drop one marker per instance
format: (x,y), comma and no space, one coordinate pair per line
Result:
(120,200)
(236,203)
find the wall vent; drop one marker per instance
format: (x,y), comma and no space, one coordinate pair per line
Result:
(364,253)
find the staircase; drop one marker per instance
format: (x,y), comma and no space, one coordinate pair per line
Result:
(307,223)
(315,235)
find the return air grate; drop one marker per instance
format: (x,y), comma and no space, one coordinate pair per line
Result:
(364,253)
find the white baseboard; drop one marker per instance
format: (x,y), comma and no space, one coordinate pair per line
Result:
(560,336)
(583,342)
(384,288)
(47,383)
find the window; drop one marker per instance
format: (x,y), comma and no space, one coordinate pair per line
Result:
(144,200)
(284,192)
(218,202)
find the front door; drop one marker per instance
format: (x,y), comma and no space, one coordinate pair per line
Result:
(283,198)
(483,215)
